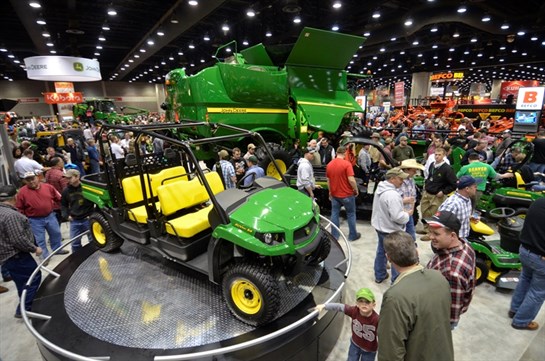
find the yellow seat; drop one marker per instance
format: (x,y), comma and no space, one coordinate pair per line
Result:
(139,214)
(169,175)
(183,195)
(132,189)
(190,224)
(214,180)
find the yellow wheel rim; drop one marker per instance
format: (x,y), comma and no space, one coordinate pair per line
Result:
(98,233)
(272,172)
(246,297)
(478,273)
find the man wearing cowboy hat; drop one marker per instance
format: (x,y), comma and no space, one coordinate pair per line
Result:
(408,191)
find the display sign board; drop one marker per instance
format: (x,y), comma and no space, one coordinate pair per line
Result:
(447,76)
(62,68)
(56,98)
(399,94)
(483,111)
(512,87)
(530,98)
(362,101)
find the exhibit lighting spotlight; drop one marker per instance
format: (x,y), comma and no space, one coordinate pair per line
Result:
(337,5)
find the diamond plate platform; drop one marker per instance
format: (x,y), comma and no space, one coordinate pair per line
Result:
(135,305)
(133,299)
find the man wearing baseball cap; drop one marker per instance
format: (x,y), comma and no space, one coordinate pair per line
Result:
(460,202)
(388,216)
(363,345)
(455,259)
(75,208)
(408,191)
(36,200)
(226,168)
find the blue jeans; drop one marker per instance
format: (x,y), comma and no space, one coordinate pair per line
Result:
(530,292)
(357,354)
(409,228)
(50,224)
(20,267)
(77,227)
(5,272)
(537,167)
(349,204)
(380,260)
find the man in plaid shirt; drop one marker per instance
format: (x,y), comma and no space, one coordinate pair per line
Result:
(460,202)
(455,259)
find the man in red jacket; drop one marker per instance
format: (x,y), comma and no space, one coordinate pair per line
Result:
(36,201)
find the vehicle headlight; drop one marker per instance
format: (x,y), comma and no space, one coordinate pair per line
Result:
(270,238)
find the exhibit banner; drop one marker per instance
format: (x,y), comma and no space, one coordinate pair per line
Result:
(62,68)
(530,98)
(362,101)
(59,98)
(512,87)
(65,102)
(446,76)
(399,94)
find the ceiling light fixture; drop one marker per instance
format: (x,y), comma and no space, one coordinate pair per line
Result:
(297,19)
(337,5)
(206,37)
(250,13)
(111,11)
(106,27)
(245,43)
(40,21)
(367,34)
(456,35)
(225,27)
(485,18)
(533,38)
(505,26)
(335,27)
(434,29)
(101,38)
(160,32)
(268,34)
(151,42)
(521,33)
(173,18)
(35,4)
(191,46)
(193,2)
(46,34)
(462,9)
(376,15)
(408,22)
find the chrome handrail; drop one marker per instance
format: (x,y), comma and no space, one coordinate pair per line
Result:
(194,355)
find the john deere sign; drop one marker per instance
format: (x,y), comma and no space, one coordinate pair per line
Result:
(62,68)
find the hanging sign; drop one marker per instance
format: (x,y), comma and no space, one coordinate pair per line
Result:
(56,98)
(62,68)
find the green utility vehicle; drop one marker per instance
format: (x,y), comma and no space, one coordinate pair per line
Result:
(245,239)
(283,100)
(104,110)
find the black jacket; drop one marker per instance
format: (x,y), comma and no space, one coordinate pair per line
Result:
(440,179)
(73,204)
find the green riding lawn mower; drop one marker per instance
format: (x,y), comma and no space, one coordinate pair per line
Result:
(498,260)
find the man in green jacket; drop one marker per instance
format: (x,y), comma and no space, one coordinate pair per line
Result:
(415,313)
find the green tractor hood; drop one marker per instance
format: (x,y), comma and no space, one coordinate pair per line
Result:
(274,210)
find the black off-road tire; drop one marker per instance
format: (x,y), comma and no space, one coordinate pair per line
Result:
(481,271)
(102,234)
(321,253)
(281,156)
(251,293)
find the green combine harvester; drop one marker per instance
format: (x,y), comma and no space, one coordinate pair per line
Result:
(284,103)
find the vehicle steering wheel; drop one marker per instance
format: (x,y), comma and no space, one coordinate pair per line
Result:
(501,212)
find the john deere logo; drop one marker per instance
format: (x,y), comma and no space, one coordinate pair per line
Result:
(78,66)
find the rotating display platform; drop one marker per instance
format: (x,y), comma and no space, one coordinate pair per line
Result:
(136,305)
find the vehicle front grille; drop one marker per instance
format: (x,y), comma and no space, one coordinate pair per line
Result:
(304,233)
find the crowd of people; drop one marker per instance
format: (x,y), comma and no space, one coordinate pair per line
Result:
(423,305)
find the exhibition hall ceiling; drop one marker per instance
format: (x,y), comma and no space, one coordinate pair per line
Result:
(141,40)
